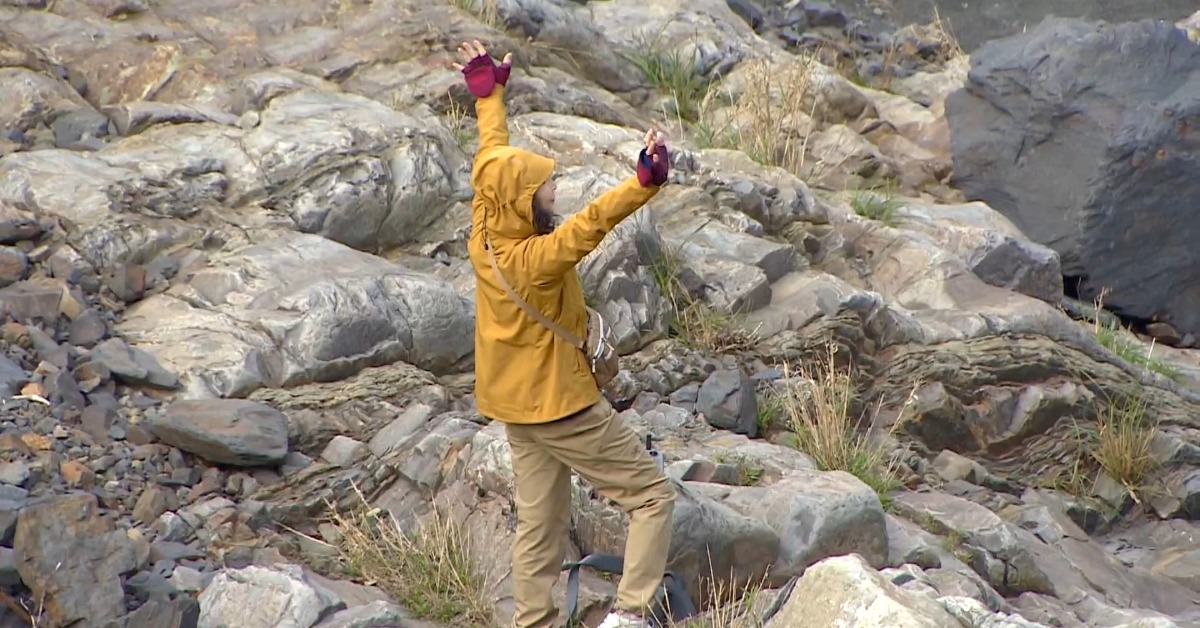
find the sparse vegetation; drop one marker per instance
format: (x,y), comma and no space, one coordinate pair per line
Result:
(749,472)
(948,48)
(767,121)
(427,570)
(671,72)
(1122,343)
(486,11)
(729,606)
(952,541)
(1124,442)
(1072,480)
(819,411)
(1119,445)
(22,610)
(462,126)
(934,43)
(770,409)
(693,320)
(879,204)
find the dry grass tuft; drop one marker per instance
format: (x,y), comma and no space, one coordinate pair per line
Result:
(949,47)
(428,570)
(694,321)
(30,617)
(729,606)
(461,125)
(819,411)
(486,11)
(768,120)
(1124,442)
(1120,446)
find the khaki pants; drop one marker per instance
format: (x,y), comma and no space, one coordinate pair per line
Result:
(598,445)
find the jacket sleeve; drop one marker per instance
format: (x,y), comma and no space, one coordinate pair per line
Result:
(546,258)
(492,119)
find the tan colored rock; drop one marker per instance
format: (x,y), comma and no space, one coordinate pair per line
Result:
(990,245)
(919,124)
(35,98)
(931,88)
(77,475)
(918,167)
(838,149)
(846,591)
(1191,24)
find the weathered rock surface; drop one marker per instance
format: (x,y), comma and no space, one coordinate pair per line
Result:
(259,597)
(63,541)
(224,431)
(845,590)
(233,295)
(1078,132)
(311,310)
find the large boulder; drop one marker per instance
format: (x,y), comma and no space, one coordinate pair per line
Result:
(299,309)
(845,591)
(1083,135)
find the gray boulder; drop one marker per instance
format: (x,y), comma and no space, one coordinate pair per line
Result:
(224,431)
(299,309)
(281,596)
(1083,135)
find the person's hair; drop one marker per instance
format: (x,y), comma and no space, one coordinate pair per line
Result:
(544,220)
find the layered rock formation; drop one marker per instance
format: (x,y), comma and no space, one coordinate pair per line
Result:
(235,312)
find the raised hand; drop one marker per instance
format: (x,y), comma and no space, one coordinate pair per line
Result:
(654,162)
(481,72)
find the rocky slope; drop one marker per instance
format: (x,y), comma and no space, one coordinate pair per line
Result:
(234,308)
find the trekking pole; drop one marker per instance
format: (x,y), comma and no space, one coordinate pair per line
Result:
(656,454)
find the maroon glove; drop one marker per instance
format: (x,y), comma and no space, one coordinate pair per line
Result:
(653,172)
(483,74)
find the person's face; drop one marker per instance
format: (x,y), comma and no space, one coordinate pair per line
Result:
(544,196)
(544,217)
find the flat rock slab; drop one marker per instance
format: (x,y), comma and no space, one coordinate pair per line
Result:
(224,431)
(31,300)
(62,542)
(300,309)
(131,365)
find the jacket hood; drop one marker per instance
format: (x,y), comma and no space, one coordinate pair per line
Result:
(505,178)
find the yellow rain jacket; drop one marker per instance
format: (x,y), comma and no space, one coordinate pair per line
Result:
(524,373)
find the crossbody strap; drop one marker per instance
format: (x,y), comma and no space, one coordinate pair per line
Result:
(536,315)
